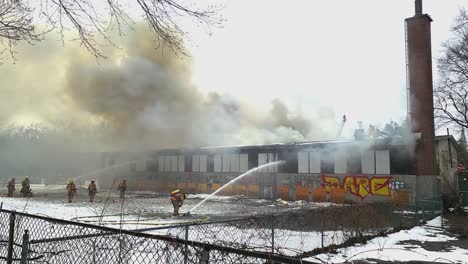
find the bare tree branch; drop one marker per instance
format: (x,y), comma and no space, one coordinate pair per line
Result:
(451,93)
(93,21)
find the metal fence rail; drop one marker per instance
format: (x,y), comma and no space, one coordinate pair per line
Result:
(35,239)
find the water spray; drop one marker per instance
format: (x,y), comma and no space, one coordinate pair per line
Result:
(259,168)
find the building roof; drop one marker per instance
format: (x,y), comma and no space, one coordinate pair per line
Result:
(396,141)
(445,137)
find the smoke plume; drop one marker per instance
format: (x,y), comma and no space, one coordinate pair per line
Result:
(141,98)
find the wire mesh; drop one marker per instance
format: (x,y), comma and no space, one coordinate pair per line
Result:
(58,241)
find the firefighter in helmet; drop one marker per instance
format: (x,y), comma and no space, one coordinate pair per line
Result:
(11,187)
(122,188)
(177,200)
(25,187)
(71,188)
(92,189)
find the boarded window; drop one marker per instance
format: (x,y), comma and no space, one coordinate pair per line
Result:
(173,163)
(243,162)
(161,163)
(195,163)
(203,163)
(217,160)
(303,162)
(226,163)
(368,162)
(354,162)
(167,163)
(327,163)
(314,162)
(262,159)
(272,157)
(340,162)
(181,163)
(382,162)
(234,162)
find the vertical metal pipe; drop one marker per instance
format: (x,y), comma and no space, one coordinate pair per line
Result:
(11,238)
(25,248)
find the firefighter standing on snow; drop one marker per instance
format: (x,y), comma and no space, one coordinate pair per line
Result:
(25,187)
(122,188)
(177,200)
(71,188)
(92,189)
(11,187)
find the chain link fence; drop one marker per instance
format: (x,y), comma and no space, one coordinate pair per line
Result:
(285,238)
(304,233)
(35,239)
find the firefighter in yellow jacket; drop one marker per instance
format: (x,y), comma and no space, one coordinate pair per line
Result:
(11,187)
(177,200)
(71,188)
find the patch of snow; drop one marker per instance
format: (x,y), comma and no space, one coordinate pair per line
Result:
(390,248)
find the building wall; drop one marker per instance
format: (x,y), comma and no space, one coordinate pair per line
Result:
(447,161)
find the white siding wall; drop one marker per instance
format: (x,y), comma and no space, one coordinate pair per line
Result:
(382,162)
(367,162)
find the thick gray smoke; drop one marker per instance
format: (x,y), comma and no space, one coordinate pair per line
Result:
(149,100)
(141,98)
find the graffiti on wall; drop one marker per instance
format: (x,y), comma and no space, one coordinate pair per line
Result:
(361,186)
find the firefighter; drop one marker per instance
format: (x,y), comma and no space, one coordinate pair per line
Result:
(122,188)
(11,187)
(92,189)
(71,188)
(25,187)
(177,200)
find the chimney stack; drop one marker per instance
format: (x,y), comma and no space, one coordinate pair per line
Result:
(420,90)
(418,7)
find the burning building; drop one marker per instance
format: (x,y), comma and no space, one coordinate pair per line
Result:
(400,169)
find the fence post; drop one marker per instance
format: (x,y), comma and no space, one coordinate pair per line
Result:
(273,236)
(11,238)
(422,212)
(25,248)
(441,212)
(321,228)
(186,246)
(205,256)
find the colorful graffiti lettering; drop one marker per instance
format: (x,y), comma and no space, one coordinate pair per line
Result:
(361,186)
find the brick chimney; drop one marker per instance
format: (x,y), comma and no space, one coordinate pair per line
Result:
(420,90)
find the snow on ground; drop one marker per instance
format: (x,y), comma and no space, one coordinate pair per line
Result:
(406,245)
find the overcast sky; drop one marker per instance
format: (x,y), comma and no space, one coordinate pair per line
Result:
(344,56)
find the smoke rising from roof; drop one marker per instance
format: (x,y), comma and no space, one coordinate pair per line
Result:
(144,98)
